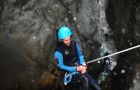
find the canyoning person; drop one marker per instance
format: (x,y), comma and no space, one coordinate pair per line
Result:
(70,60)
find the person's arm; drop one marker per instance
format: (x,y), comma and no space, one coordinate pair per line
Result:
(80,55)
(82,68)
(61,65)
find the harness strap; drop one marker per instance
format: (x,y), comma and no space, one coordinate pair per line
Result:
(68,77)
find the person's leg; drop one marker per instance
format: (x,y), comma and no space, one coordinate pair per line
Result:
(81,81)
(84,82)
(93,82)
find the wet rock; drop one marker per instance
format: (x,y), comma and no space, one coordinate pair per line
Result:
(122,17)
(33,24)
(28,37)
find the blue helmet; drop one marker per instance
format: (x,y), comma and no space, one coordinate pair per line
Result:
(64,32)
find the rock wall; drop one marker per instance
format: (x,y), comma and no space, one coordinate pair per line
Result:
(122,16)
(28,38)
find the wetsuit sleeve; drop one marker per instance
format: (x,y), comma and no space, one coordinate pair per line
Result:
(61,65)
(80,55)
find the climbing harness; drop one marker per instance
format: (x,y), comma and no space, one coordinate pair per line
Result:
(68,77)
(113,54)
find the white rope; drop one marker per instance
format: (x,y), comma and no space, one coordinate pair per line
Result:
(113,54)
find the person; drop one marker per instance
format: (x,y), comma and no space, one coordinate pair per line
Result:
(71,60)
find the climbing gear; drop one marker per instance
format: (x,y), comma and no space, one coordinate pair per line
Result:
(113,54)
(68,77)
(106,64)
(64,32)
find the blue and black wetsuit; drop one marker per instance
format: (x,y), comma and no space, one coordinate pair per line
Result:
(68,57)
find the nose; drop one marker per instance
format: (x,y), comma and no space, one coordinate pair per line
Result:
(67,41)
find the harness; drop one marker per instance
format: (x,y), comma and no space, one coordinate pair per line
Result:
(68,77)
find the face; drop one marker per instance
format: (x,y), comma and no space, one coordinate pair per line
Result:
(67,41)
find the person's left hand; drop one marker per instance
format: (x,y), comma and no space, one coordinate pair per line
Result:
(84,69)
